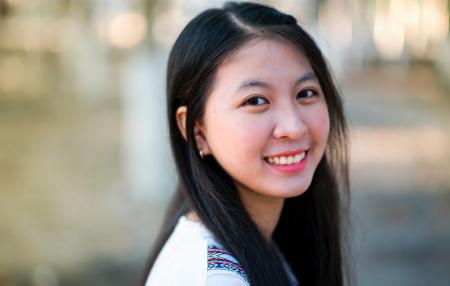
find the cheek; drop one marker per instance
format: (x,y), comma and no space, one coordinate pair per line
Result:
(236,136)
(325,125)
(320,125)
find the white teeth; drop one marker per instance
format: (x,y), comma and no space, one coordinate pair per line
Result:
(286,160)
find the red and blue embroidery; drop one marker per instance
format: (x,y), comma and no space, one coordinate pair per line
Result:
(220,259)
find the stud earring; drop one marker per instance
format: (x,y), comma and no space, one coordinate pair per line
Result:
(202,155)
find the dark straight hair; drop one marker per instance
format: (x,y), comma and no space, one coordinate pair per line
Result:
(309,232)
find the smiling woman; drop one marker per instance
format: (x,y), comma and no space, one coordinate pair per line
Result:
(268,125)
(259,139)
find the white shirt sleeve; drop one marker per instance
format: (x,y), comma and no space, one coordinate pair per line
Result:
(224,278)
(182,260)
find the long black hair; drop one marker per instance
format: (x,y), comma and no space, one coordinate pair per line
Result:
(309,232)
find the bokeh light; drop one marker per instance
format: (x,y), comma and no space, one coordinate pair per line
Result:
(127,29)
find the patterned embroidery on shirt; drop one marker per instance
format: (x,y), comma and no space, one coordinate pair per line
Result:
(220,259)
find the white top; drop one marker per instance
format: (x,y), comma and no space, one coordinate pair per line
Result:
(192,257)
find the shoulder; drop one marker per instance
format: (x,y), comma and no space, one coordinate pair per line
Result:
(192,257)
(182,260)
(224,268)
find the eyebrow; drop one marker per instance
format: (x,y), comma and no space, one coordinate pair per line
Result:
(257,83)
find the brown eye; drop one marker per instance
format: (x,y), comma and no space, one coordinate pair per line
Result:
(255,101)
(307,93)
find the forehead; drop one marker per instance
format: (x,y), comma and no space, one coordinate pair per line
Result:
(259,46)
(269,60)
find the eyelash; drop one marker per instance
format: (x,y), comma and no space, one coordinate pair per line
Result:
(315,93)
(258,97)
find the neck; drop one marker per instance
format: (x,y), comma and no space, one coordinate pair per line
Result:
(264,211)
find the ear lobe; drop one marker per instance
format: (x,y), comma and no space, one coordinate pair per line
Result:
(200,139)
(181,120)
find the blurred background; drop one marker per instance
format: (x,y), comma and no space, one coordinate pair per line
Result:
(85,167)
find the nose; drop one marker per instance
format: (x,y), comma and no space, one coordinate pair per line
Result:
(289,124)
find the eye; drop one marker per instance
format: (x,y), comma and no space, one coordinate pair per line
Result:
(255,101)
(307,93)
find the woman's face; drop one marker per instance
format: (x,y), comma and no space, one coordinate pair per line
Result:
(266,119)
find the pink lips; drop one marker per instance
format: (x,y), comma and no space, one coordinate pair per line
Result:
(291,168)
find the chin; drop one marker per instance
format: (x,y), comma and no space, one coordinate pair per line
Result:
(296,193)
(290,192)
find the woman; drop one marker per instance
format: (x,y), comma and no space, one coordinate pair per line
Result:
(259,139)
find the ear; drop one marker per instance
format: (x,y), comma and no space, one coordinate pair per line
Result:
(181,120)
(200,138)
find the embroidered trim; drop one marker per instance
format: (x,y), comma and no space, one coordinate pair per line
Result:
(220,259)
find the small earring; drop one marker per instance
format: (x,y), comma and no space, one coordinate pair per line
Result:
(202,155)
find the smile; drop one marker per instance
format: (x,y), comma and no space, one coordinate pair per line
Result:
(287,159)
